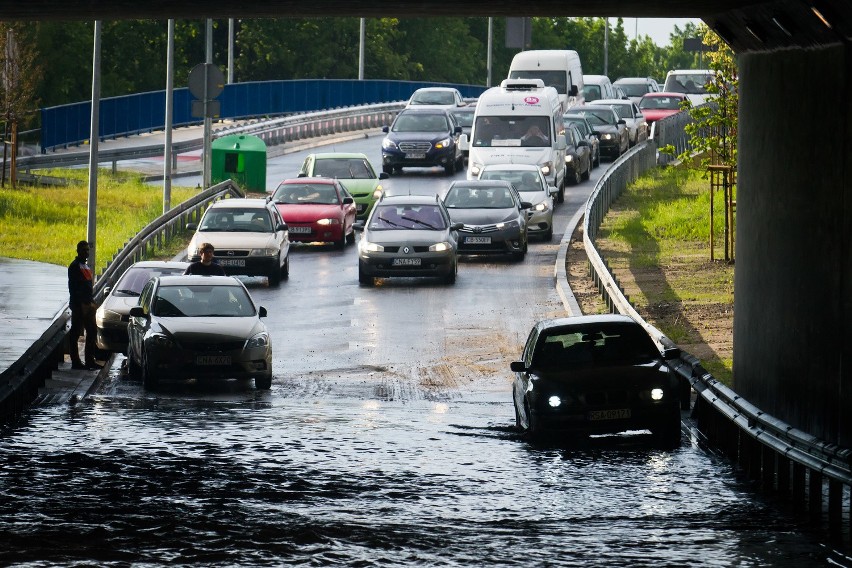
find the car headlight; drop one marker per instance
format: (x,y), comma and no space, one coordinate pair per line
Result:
(367,246)
(607,137)
(445,143)
(656,394)
(554,401)
(546,168)
(389,144)
(328,222)
(508,225)
(162,341)
(569,158)
(106,316)
(264,252)
(475,169)
(377,193)
(440,247)
(543,206)
(258,340)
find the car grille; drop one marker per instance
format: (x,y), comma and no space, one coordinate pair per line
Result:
(414,248)
(230,253)
(211,347)
(415,146)
(601,398)
(473,229)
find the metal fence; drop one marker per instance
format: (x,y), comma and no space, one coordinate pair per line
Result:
(814,474)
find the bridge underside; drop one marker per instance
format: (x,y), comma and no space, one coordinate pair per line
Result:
(793,282)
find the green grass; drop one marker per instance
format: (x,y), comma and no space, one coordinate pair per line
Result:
(44,224)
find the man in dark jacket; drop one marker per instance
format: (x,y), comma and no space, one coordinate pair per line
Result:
(82,304)
(205,266)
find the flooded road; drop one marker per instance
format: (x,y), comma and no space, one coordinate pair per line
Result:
(387,439)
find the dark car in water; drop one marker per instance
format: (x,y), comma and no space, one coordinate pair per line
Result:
(596,374)
(422,138)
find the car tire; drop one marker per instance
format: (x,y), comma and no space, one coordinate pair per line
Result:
(149,379)
(350,238)
(363,278)
(341,244)
(518,426)
(263,383)
(548,236)
(133,368)
(532,420)
(560,197)
(388,170)
(450,169)
(275,275)
(451,277)
(578,177)
(285,270)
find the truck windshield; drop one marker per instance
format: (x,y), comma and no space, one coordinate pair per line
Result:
(556,79)
(511,131)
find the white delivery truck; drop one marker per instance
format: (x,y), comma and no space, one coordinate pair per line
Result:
(558,68)
(519,122)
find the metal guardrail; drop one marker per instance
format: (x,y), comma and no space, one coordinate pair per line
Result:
(19,383)
(272,131)
(767,449)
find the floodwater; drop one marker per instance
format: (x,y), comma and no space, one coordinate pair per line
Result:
(357,470)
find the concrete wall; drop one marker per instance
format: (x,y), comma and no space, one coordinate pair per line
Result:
(793,275)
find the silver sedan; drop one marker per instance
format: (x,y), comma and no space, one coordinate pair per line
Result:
(532,187)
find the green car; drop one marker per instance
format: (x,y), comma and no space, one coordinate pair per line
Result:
(354,171)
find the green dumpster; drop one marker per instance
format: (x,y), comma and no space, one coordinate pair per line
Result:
(241,158)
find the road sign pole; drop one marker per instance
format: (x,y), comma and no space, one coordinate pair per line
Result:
(208,122)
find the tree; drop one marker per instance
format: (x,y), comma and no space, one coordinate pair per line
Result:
(18,82)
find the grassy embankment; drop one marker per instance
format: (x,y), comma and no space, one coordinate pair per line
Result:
(45,223)
(656,240)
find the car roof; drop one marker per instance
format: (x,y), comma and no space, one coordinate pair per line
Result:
(643,80)
(198,280)
(337,155)
(426,109)
(158,264)
(584,320)
(666,94)
(410,199)
(451,89)
(306,179)
(480,183)
(240,202)
(613,102)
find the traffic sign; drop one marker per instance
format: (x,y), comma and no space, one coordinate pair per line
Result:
(209,74)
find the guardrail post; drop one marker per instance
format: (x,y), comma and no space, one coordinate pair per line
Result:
(768,467)
(784,474)
(835,505)
(814,493)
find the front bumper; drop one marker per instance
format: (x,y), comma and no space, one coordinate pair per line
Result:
(434,157)
(490,242)
(385,264)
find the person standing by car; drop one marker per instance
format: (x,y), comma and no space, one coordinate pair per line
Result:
(81,301)
(205,266)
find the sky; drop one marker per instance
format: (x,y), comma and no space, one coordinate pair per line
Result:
(657,28)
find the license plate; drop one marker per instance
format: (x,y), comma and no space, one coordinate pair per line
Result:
(300,229)
(615,414)
(406,262)
(416,156)
(478,240)
(213,360)
(232,262)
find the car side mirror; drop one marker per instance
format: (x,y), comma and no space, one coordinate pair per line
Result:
(385,129)
(456,226)
(526,205)
(464,143)
(622,121)
(138,312)
(671,353)
(191,226)
(552,190)
(302,174)
(583,143)
(384,175)
(261,312)
(573,92)
(457,130)
(282,227)
(561,143)
(358,225)
(518,366)
(348,200)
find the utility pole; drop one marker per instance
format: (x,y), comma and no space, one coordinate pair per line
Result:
(170,104)
(94,138)
(361,42)
(208,121)
(606,47)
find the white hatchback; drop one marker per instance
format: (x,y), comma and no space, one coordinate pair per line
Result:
(637,126)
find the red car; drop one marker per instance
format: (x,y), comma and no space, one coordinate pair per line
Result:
(660,105)
(316,210)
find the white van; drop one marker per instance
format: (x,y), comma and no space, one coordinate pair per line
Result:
(557,68)
(597,87)
(692,82)
(519,122)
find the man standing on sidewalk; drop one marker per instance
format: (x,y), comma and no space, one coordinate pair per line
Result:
(81,280)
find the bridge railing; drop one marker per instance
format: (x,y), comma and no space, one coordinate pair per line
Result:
(782,458)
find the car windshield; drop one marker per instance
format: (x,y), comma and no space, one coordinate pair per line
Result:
(433,98)
(343,168)
(464,118)
(523,181)
(135,278)
(634,89)
(480,197)
(236,220)
(594,344)
(579,123)
(624,111)
(408,217)
(598,117)
(511,131)
(666,103)
(690,83)
(306,194)
(591,92)
(202,301)
(414,122)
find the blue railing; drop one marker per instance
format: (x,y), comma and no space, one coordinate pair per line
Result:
(68,125)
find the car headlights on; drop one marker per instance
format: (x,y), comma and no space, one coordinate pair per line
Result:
(543,206)
(328,222)
(440,247)
(546,168)
(656,394)
(607,137)
(508,225)
(445,143)
(475,169)
(264,252)
(367,246)
(258,340)
(569,158)
(389,144)
(554,401)
(377,193)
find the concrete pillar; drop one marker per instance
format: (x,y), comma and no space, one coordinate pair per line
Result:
(793,275)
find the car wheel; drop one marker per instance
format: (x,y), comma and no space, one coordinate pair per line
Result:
(149,379)
(363,278)
(275,275)
(341,244)
(548,236)
(450,168)
(285,270)
(560,197)
(263,383)
(598,160)
(133,368)
(451,277)
(518,419)
(532,420)
(388,169)
(350,238)
(588,173)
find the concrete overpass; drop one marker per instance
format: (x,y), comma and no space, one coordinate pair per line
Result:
(793,288)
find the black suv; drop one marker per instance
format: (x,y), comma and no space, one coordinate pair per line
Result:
(422,138)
